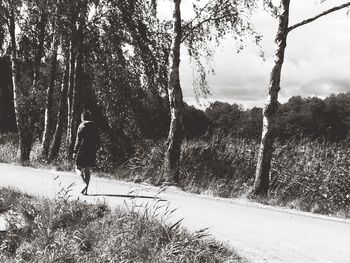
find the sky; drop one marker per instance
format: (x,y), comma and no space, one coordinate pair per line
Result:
(317,58)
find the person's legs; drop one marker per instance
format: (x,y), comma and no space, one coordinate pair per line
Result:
(87,178)
(82,172)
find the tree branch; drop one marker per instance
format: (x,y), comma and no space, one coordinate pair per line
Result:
(198,14)
(211,17)
(307,21)
(208,20)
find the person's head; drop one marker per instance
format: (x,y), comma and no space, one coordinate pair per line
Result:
(86,115)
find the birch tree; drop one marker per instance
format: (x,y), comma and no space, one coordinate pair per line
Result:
(40,14)
(73,16)
(172,155)
(50,88)
(261,184)
(212,22)
(57,136)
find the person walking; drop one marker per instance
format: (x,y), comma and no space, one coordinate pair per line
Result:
(85,148)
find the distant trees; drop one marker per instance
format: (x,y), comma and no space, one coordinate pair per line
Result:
(301,118)
(225,116)
(338,116)
(195,122)
(234,120)
(314,118)
(297,119)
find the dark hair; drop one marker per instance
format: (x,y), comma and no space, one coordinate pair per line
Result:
(86,115)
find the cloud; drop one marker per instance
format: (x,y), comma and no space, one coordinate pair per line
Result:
(325,86)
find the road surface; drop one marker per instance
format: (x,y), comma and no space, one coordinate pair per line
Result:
(259,233)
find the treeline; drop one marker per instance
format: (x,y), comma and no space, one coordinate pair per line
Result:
(311,118)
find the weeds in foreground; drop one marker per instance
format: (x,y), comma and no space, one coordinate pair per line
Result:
(71,231)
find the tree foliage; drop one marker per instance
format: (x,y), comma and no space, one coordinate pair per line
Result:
(214,21)
(118,53)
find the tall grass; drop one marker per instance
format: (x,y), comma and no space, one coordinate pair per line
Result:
(71,231)
(306,175)
(312,176)
(8,147)
(9,153)
(220,166)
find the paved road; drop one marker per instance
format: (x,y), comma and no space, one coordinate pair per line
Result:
(259,233)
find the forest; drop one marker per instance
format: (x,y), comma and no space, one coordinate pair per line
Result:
(118,60)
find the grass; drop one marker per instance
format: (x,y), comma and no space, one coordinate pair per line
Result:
(8,147)
(9,154)
(72,231)
(313,177)
(306,175)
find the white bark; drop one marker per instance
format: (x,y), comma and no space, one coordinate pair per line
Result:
(172,155)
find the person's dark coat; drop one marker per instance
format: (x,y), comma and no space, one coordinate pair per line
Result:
(87,142)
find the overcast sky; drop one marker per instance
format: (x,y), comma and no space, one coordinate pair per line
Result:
(317,61)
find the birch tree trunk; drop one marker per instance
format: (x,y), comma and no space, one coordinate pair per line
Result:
(261,184)
(24,137)
(75,101)
(70,107)
(49,100)
(57,137)
(172,155)
(39,49)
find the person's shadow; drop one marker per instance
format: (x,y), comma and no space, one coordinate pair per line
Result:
(129,196)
